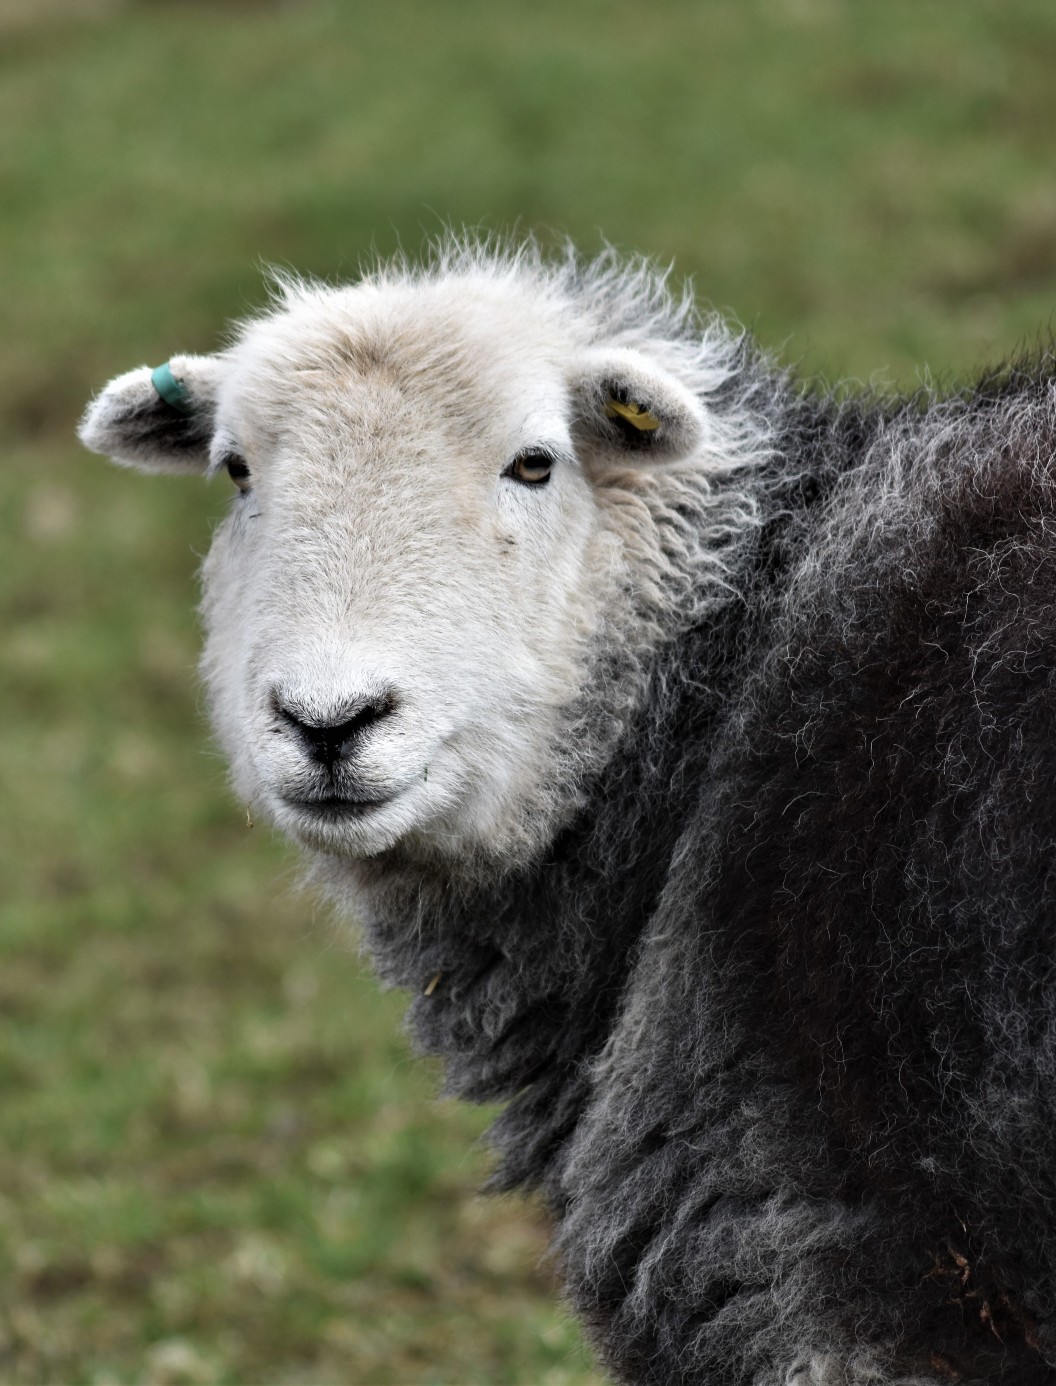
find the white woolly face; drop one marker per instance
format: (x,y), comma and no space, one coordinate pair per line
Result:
(439,506)
(400,571)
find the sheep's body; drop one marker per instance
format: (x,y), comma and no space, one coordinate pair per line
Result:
(829,1099)
(769,994)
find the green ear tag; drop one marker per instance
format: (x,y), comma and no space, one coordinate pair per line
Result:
(174,392)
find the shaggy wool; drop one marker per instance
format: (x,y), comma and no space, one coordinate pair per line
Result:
(765,980)
(774,1015)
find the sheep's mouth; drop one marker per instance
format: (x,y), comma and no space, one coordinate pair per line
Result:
(330,807)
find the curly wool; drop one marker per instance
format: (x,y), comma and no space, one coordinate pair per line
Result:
(773,1017)
(758,953)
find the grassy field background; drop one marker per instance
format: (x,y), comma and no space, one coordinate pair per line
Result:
(218,1162)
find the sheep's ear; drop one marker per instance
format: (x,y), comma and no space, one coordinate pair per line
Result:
(631,408)
(157,420)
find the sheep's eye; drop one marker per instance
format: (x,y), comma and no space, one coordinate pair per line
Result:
(238,472)
(531,468)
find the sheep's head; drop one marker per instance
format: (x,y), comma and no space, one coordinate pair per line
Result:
(442,500)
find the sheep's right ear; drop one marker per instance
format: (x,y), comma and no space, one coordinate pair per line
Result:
(157,421)
(635,410)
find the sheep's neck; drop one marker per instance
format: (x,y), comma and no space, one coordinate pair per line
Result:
(517,984)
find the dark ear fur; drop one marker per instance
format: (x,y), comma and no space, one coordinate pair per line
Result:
(634,410)
(131,423)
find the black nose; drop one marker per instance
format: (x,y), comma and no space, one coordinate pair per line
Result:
(329,738)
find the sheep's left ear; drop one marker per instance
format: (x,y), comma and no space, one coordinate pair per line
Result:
(629,406)
(158,420)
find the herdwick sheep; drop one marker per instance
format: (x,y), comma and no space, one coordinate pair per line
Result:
(685,742)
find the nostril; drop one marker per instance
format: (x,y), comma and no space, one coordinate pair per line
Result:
(328,735)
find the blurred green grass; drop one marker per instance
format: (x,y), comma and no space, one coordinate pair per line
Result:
(218,1162)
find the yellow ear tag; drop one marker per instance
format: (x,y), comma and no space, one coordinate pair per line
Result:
(635,415)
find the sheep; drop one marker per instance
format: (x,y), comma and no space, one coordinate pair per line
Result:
(683,739)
